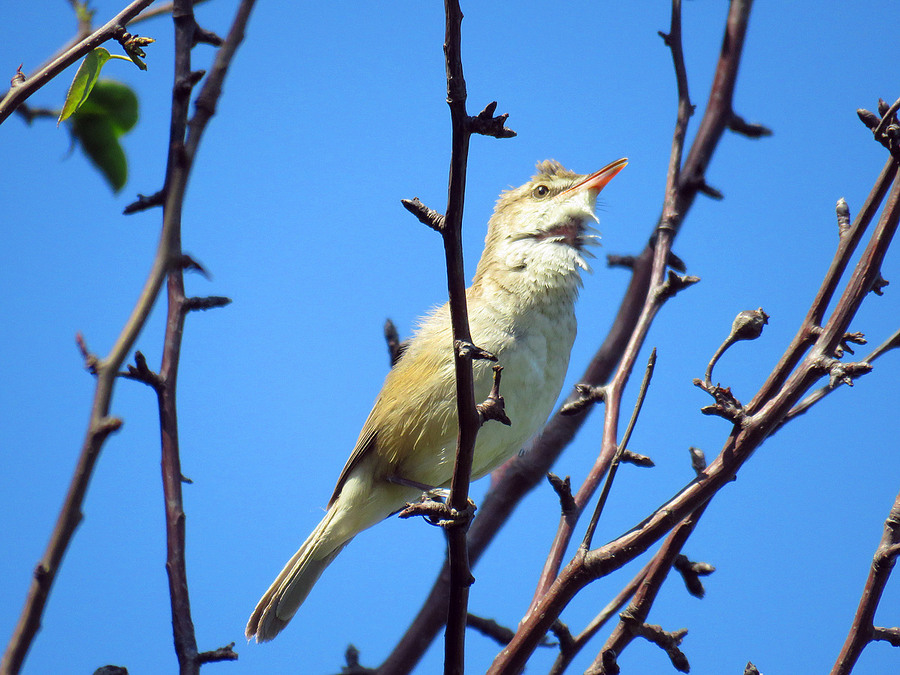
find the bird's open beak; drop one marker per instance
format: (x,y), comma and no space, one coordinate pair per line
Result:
(598,180)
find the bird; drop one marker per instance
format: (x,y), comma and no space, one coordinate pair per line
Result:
(521,307)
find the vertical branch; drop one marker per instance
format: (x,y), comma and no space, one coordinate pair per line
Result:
(449,226)
(177,171)
(183,142)
(670,215)
(457,550)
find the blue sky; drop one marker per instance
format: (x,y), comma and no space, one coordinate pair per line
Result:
(332,113)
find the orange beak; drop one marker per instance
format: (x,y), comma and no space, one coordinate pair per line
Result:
(598,180)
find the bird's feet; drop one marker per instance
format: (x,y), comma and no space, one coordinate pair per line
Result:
(438,513)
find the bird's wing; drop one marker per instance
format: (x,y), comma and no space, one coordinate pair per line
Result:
(364,445)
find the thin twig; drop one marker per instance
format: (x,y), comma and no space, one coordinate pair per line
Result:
(617,458)
(670,216)
(863,630)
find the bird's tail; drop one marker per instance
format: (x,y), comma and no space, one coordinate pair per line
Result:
(279,604)
(358,506)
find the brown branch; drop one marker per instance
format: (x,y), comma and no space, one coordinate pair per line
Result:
(672,545)
(617,457)
(848,240)
(656,572)
(114,27)
(107,369)
(468,414)
(490,628)
(567,654)
(671,216)
(184,139)
(426,216)
(144,202)
(394,345)
(893,342)
(457,549)
(225,653)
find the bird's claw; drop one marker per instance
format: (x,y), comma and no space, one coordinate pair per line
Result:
(438,513)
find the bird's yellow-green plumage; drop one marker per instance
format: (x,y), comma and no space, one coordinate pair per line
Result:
(521,309)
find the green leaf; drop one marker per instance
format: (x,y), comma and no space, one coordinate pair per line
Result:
(115,100)
(110,111)
(85,79)
(99,140)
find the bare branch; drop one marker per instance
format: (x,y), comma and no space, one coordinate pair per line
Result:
(863,629)
(145,202)
(617,458)
(184,139)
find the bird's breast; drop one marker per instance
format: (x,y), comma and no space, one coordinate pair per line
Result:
(533,349)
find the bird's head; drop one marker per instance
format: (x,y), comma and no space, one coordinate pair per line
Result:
(540,230)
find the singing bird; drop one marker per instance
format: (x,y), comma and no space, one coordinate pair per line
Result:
(522,309)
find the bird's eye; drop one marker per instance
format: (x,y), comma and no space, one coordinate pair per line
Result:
(540,191)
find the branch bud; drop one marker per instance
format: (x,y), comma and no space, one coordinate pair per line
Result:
(843,216)
(748,325)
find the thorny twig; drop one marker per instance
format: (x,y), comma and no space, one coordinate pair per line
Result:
(449,225)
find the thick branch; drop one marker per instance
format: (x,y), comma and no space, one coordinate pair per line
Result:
(657,571)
